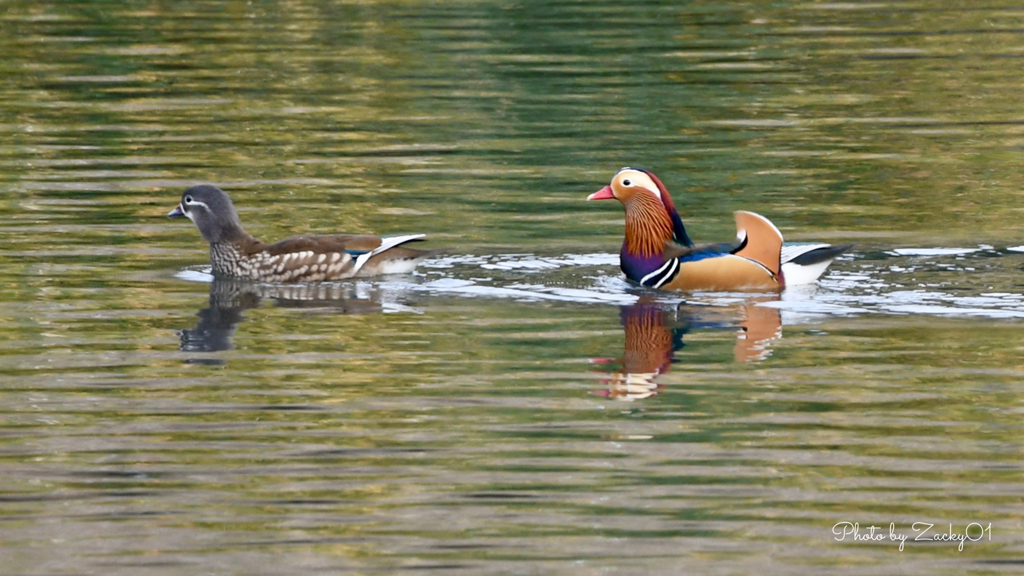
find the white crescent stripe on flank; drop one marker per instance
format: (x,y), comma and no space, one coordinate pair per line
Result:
(644,280)
(668,268)
(670,274)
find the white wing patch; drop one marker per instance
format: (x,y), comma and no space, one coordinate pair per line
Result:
(385,245)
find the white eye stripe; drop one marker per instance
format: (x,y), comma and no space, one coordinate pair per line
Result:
(641,180)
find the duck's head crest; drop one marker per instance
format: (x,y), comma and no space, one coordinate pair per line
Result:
(212,211)
(628,183)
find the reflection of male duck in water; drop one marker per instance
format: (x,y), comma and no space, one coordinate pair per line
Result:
(230,297)
(654,334)
(759,326)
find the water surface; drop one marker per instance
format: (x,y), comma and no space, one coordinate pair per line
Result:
(515,405)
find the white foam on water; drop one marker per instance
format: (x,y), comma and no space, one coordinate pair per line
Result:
(195,275)
(529,262)
(523,292)
(887,286)
(933,251)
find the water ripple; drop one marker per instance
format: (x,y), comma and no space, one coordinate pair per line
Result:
(896,281)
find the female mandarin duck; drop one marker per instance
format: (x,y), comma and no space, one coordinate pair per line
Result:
(657,253)
(233,252)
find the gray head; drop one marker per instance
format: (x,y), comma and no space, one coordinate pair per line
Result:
(212,211)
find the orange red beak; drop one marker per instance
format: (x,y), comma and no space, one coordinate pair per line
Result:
(602,194)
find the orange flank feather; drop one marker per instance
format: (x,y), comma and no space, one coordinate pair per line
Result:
(727,272)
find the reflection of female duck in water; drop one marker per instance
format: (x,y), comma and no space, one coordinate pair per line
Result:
(654,334)
(230,297)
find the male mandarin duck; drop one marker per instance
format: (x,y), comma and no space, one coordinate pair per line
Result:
(233,252)
(657,253)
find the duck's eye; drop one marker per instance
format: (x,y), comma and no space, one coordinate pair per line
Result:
(188,199)
(627,182)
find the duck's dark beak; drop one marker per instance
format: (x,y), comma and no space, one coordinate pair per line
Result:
(176,213)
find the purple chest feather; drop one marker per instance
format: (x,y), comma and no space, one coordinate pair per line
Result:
(636,266)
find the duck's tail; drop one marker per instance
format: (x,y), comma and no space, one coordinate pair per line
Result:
(804,263)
